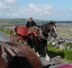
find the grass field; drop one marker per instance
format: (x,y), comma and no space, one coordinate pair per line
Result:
(6,31)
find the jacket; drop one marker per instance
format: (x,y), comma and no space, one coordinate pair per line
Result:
(30,24)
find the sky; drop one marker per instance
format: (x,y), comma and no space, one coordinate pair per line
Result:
(57,10)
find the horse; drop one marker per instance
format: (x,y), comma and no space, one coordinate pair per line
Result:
(39,42)
(50,29)
(15,55)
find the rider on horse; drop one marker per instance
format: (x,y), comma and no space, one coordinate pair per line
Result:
(30,23)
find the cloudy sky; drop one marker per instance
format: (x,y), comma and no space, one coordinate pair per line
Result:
(38,9)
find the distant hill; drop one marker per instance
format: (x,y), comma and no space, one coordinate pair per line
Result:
(17,21)
(23,21)
(12,21)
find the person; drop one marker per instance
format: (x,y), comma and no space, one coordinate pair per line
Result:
(30,23)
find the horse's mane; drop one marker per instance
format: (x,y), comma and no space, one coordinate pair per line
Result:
(19,62)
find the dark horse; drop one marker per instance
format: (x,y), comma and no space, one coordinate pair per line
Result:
(39,43)
(26,59)
(43,33)
(50,30)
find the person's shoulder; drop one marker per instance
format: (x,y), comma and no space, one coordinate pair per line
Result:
(27,21)
(33,21)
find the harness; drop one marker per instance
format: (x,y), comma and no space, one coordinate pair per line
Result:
(11,49)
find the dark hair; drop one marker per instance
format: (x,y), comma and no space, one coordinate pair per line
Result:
(19,62)
(52,23)
(31,18)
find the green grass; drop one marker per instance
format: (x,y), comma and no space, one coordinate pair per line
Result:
(68,55)
(65,54)
(6,31)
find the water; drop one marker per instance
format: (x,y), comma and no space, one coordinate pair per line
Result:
(4,37)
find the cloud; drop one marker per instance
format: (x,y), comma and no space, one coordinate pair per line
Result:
(6,6)
(12,9)
(32,10)
(43,9)
(9,8)
(2,6)
(9,1)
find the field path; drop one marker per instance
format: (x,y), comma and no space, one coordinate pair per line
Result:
(4,37)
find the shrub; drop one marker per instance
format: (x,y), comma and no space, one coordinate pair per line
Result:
(68,55)
(65,54)
(54,51)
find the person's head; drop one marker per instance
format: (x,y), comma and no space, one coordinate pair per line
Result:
(52,23)
(30,19)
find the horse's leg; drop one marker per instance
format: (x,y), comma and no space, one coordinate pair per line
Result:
(42,48)
(54,38)
(53,41)
(47,56)
(37,48)
(46,51)
(30,43)
(36,45)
